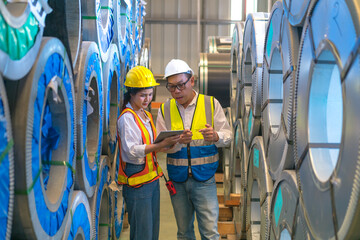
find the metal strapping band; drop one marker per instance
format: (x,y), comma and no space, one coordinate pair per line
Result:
(290,142)
(350,60)
(288,73)
(311,36)
(293,226)
(324,145)
(89,17)
(6,150)
(275,71)
(302,157)
(270,101)
(333,209)
(255,222)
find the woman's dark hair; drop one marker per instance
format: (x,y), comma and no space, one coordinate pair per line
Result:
(127,96)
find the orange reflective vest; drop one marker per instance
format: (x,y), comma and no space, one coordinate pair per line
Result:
(152,170)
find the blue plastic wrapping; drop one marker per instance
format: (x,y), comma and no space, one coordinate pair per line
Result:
(103,181)
(106,38)
(51,220)
(116,64)
(80,219)
(118,219)
(4,173)
(123,44)
(93,65)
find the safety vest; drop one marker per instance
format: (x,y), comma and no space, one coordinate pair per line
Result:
(152,170)
(200,158)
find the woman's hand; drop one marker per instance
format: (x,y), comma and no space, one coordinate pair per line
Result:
(168,143)
(209,134)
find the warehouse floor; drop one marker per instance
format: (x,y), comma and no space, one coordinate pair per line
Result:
(168,227)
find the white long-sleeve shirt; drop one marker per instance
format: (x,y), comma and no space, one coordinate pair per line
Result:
(132,147)
(221,125)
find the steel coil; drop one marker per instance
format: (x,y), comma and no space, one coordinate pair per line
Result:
(118,203)
(214,76)
(121,24)
(141,24)
(236,51)
(219,44)
(97,24)
(259,190)
(100,203)
(251,70)
(145,56)
(112,97)
(78,225)
(64,23)
(21,34)
(326,141)
(296,11)
(279,72)
(43,115)
(285,217)
(90,113)
(6,166)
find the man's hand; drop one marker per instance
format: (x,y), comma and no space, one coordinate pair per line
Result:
(186,136)
(209,134)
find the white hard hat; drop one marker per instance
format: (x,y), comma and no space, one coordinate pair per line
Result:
(177,66)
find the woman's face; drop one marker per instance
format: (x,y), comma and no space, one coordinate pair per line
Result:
(141,99)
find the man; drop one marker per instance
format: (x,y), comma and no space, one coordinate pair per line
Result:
(192,163)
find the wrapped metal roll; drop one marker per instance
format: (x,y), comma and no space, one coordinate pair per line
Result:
(78,225)
(236,51)
(285,217)
(214,76)
(121,25)
(97,24)
(251,70)
(326,143)
(219,44)
(100,203)
(239,158)
(279,73)
(6,166)
(64,23)
(296,11)
(133,22)
(21,31)
(145,57)
(112,97)
(90,114)
(259,190)
(141,24)
(118,203)
(44,128)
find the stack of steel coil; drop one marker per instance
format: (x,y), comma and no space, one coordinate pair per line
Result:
(63,94)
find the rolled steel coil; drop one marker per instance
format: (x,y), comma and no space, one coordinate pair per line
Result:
(21,34)
(145,56)
(279,72)
(90,114)
(43,113)
(296,11)
(285,217)
(112,96)
(64,22)
(118,203)
(238,170)
(100,203)
(259,190)
(97,24)
(141,24)
(236,51)
(251,70)
(6,166)
(214,76)
(326,143)
(78,225)
(121,25)
(219,44)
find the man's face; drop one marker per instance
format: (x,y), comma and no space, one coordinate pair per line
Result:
(181,88)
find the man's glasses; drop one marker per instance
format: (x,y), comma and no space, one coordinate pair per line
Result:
(180,86)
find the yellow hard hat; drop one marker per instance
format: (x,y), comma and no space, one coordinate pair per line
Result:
(140,77)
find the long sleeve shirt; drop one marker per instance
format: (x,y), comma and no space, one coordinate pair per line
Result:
(132,146)
(221,125)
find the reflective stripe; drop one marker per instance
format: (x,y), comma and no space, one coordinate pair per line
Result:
(194,162)
(151,171)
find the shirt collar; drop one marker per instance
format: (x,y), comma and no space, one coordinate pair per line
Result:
(193,102)
(128,105)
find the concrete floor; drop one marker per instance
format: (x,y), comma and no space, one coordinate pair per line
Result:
(168,226)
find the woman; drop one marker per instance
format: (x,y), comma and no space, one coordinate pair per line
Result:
(139,171)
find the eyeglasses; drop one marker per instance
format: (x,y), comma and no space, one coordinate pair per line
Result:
(180,86)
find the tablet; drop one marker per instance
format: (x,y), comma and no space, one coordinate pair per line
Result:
(165,134)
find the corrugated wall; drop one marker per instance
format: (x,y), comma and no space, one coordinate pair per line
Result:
(172,27)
